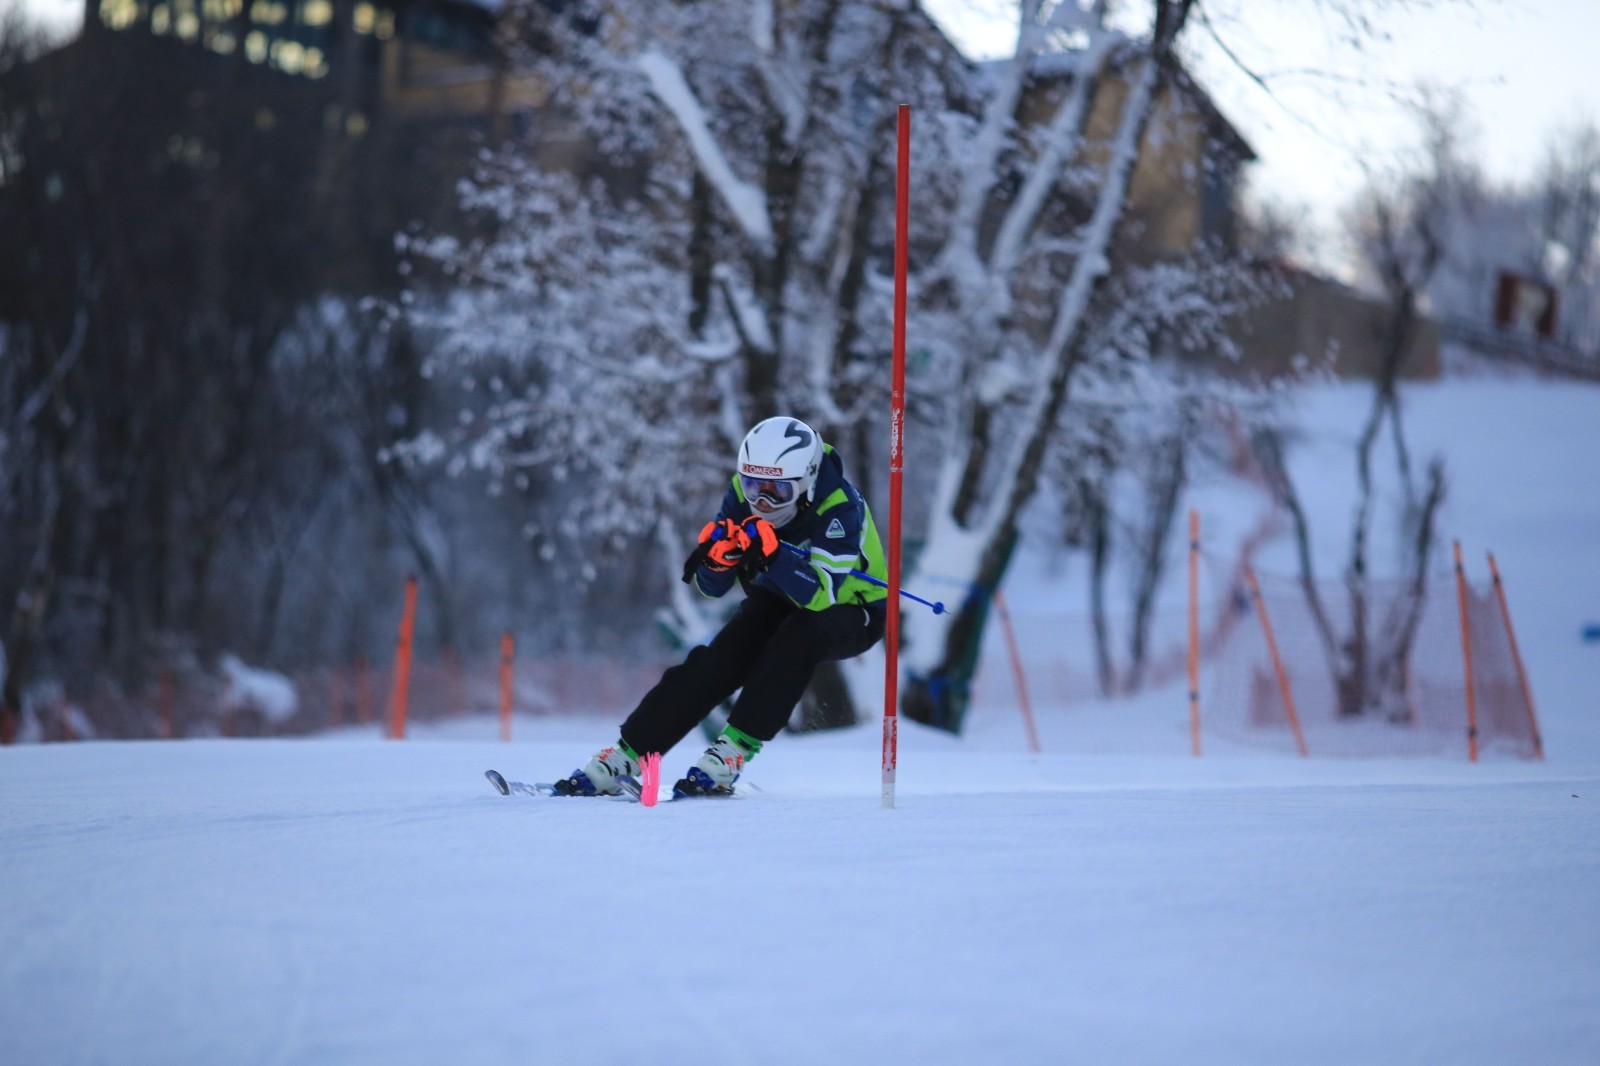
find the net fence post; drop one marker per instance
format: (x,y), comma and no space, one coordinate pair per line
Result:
(402,663)
(1277,662)
(1516,659)
(508,657)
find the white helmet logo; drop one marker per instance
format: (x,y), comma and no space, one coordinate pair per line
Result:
(797,433)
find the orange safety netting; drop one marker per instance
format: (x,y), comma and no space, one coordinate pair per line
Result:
(1400,688)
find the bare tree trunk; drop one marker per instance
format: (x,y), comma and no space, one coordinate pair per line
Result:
(1165,493)
(1391,675)
(1097,516)
(1268,447)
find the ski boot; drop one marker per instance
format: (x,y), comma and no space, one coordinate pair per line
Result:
(714,773)
(599,776)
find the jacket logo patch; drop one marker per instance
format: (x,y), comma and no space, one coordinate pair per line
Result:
(835,529)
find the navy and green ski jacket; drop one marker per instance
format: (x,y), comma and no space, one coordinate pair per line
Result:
(836,534)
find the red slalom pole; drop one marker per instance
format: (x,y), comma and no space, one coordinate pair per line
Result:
(897,423)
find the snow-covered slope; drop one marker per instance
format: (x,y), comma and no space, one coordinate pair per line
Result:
(368,902)
(350,900)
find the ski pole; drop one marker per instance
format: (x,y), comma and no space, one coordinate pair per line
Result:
(936,607)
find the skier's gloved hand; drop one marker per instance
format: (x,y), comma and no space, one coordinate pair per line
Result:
(763,546)
(721,529)
(722,545)
(728,552)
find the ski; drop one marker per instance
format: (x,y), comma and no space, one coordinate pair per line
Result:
(632,791)
(635,791)
(521,788)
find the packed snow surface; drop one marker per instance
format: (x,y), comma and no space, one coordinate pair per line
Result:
(353,900)
(280,901)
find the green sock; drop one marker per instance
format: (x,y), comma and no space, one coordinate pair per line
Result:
(741,740)
(628,751)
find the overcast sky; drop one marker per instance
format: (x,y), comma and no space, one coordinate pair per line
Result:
(1525,68)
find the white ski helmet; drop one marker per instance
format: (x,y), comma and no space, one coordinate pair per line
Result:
(778,464)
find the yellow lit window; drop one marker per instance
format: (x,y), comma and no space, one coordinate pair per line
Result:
(161,19)
(385,27)
(355,124)
(316,13)
(223,43)
(188,25)
(316,63)
(119,14)
(289,56)
(365,17)
(255,46)
(268,12)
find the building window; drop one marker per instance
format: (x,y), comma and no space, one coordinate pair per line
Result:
(119,14)
(268,12)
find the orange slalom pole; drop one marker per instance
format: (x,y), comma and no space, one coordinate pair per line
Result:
(402,664)
(1194,632)
(1016,670)
(508,652)
(1277,661)
(1516,658)
(1466,658)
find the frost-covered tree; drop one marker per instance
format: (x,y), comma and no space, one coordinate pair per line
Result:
(713,252)
(1031,284)
(718,249)
(1546,227)
(174,421)
(1566,192)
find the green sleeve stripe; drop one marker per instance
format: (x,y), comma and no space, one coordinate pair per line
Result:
(835,498)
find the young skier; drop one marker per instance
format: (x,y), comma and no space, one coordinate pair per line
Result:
(790,530)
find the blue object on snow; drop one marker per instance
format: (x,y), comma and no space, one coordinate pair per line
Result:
(1591,633)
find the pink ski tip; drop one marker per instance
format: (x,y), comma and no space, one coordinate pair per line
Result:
(650,778)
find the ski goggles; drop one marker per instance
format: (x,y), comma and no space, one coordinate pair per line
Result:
(772,493)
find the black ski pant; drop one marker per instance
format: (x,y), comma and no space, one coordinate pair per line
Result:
(769,649)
